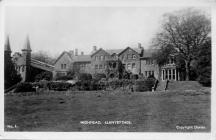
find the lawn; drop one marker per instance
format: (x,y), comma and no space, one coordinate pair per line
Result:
(170,111)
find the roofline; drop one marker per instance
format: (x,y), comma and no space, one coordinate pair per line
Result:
(98,51)
(61,56)
(126,49)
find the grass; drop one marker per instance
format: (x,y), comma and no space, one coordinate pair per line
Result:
(147,111)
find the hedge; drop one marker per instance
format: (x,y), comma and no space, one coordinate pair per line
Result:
(59,86)
(144,85)
(24,87)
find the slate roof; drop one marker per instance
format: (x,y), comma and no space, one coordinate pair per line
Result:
(87,58)
(148,53)
(79,58)
(82,58)
(138,50)
(116,51)
(62,55)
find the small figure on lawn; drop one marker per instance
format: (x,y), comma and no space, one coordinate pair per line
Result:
(166,86)
(156,84)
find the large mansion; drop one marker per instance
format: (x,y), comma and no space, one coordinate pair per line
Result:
(136,60)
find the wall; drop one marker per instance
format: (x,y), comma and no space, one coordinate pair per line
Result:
(65,59)
(99,62)
(150,67)
(125,60)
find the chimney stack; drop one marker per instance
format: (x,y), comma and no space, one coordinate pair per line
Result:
(82,53)
(94,48)
(76,52)
(71,52)
(139,46)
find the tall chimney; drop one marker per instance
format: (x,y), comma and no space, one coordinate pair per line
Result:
(71,52)
(94,48)
(76,52)
(139,45)
(82,53)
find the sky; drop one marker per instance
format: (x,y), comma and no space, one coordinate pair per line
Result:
(57,29)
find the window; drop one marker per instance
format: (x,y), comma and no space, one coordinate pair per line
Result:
(166,74)
(97,57)
(114,65)
(174,74)
(128,66)
(170,76)
(133,65)
(96,66)
(146,73)
(163,75)
(172,60)
(128,56)
(22,68)
(100,66)
(101,57)
(134,56)
(63,66)
(149,62)
(82,66)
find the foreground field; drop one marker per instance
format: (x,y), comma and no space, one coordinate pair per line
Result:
(171,111)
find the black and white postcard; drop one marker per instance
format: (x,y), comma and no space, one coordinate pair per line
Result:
(114,69)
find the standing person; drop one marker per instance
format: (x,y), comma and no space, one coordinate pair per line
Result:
(166,86)
(156,84)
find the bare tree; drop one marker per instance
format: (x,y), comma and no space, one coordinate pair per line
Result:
(184,32)
(43,57)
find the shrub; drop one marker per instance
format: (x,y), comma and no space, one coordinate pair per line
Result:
(44,76)
(205,77)
(134,76)
(67,77)
(40,84)
(59,86)
(144,85)
(84,76)
(115,83)
(99,76)
(24,87)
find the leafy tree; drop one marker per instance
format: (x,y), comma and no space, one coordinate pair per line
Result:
(183,33)
(11,77)
(44,75)
(204,64)
(115,68)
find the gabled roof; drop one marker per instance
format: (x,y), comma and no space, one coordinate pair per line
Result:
(73,58)
(114,51)
(98,51)
(138,50)
(62,55)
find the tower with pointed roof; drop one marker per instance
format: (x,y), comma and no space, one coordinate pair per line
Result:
(26,54)
(7,49)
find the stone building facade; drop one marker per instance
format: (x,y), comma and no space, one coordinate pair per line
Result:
(135,60)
